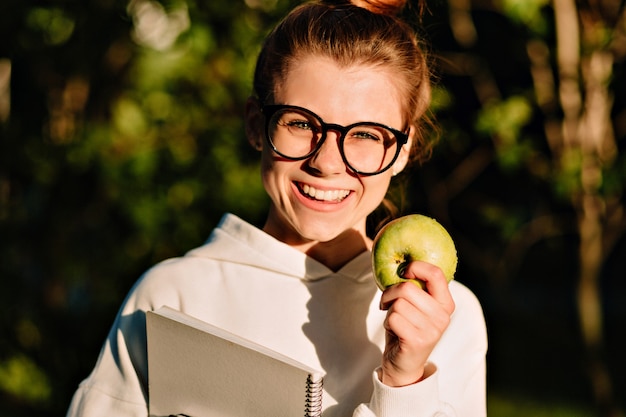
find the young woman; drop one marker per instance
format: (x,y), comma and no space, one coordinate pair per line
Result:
(340,94)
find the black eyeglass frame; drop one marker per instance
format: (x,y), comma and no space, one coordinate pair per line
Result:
(270,109)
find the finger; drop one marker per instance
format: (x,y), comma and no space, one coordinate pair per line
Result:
(436,289)
(413,332)
(419,308)
(434,280)
(404,308)
(401,290)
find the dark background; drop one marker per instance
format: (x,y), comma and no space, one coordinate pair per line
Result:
(121,144)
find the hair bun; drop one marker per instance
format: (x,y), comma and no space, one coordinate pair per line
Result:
(387,7)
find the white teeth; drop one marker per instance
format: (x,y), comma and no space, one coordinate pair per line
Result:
(329,195)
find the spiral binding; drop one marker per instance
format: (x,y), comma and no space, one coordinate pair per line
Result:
(313,401)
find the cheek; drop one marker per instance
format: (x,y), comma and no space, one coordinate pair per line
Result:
(270,164)
(273,172)
(375,188)
(267,170)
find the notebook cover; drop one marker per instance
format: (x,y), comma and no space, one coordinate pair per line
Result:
(199,370)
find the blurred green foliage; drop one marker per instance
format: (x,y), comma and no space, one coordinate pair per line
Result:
(124,144)
(22,378)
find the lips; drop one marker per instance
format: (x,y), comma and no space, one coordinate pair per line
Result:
(323,195)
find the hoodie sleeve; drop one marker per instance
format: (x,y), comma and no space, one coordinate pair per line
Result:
(118,384)
(455,385)
(417,400)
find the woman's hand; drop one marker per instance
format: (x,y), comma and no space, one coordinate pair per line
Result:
(416,320)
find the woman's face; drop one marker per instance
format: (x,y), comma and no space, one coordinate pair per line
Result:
(319,199)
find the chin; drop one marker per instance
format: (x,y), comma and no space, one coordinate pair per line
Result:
(327,232)
(317,235)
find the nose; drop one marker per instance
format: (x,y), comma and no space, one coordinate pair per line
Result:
(327,160)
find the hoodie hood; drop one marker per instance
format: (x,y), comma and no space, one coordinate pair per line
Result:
(237,241)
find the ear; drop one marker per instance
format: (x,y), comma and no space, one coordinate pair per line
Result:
(254,123)
(403,157)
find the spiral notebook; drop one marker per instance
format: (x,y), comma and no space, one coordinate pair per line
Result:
(199,370)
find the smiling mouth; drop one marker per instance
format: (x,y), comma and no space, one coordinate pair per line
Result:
(323,195)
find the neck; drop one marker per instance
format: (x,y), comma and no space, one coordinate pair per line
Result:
(339,251)
(334,253)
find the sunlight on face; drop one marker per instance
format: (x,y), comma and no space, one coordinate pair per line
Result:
(319,199)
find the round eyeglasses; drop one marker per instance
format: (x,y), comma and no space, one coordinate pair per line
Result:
(296,133)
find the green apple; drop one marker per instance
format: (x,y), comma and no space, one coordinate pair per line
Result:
(411,238)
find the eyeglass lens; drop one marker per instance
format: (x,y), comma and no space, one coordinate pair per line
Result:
(366,148)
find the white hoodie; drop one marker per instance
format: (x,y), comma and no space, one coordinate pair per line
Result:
(249,283)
